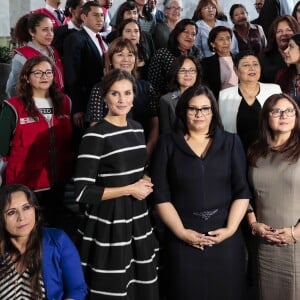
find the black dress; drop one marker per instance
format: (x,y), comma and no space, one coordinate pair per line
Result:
(202,191)
(118,249)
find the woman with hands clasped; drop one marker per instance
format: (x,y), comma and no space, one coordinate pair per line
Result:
(201,194)
(274,174)
(118,248)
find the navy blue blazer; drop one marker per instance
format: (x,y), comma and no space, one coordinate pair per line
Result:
(83,67)
(61,268)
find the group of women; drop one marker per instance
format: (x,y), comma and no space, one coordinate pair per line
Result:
(195,175)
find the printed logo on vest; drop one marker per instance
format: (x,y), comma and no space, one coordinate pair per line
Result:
(28,120)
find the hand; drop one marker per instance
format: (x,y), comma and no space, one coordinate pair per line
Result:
(266,232)
(285,235)
(220,234)
(78,119)
(141,189)
(196,239)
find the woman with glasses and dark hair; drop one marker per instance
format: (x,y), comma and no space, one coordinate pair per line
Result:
(181,42)
(207,12)
(201,194)
(218,70)
(35,136)
(172,15)
(35,262)
(274,221)
(185,72)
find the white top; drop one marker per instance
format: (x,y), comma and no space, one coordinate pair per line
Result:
(202,36)
(45,107)
(230,99)
(227,73)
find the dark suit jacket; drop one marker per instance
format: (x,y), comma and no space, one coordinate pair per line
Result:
(212,74)
(83,66)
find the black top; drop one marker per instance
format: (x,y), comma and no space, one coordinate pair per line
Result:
(247,122)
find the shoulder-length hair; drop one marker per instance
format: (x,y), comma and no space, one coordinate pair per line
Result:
(294,12)
(183,103)
(32,257)
(25,91)
(173,45)
(126,6)
(272,44)
(118,45)
(262,147)
(202,3)
(27,23)
(176,66)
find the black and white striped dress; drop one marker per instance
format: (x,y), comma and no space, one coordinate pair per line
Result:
(118,250)
(16,286)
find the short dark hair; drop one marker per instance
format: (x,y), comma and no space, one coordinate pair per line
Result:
(183,102)
(70,4)
(176,66)
(262,147)
(86,8)
(234,7)
(179,28)
(240,55)
(214,33)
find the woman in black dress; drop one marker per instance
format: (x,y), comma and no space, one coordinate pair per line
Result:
(118,249)
(201,194)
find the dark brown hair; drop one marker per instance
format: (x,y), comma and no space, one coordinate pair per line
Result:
(25,92)
(262,147)
(32,257)
(183,103)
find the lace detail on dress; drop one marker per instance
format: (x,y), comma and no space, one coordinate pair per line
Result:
(205,215)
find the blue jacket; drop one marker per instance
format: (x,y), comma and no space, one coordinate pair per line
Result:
(61,268)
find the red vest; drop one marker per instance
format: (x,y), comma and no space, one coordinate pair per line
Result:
(40,154)
(29,52)
(45,11)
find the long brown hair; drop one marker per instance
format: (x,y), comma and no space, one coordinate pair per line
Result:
(25,92)
(32,257)
(262,147)
(202,3)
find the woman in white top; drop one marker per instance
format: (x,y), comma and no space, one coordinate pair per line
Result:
(240,105)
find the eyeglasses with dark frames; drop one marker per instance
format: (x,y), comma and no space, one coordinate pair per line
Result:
(278,113)
(187,71)
(194,111)
(40,74)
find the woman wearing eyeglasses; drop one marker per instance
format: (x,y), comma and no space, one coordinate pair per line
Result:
(185,72)
(274,174)
(240,105)
(35,136)
(201,194)
(206,17)
(172,13)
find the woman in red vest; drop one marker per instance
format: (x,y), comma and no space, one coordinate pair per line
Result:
(34,32)
(35,135)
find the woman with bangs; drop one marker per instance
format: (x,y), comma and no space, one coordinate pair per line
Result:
(122,54)
(206,14)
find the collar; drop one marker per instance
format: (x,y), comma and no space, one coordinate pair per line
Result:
(71,25)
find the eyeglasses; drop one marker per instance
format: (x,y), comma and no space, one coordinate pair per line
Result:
(188,34)
(209,7)
(187,71)
(40,74)
(194,111)
(173,8)
(278,113)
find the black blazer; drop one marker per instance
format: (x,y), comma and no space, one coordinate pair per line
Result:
(83,66)
(212,74)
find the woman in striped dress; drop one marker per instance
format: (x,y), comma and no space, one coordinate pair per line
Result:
(118,249)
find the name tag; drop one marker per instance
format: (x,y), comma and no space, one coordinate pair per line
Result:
(28,120)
